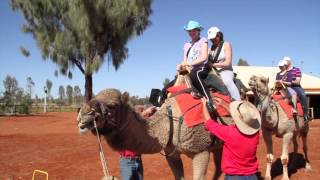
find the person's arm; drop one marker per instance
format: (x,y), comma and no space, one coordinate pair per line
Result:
(296,81)
(212,126)
(228,53)
(184,61)
(203,56)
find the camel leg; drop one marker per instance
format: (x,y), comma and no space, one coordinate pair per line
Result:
(200,164)
(176,166)
(295,152)
(284,156)
(305,151)
(267,136)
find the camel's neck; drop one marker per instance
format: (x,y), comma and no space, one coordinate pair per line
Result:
(133,134)
(266,110)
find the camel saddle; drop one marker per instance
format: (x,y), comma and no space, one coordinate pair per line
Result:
(286,107)
(191,108)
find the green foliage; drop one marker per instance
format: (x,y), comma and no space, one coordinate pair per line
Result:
(11,87)
(166,82)
(25,105)
(135,100)
(30,85)
(49,87)
(82,32)
(24,52)
(69,94)
(242,62)
(62,93)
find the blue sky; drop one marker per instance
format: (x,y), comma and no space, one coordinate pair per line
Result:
(261,32)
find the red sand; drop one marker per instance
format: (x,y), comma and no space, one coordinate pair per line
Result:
(51,142)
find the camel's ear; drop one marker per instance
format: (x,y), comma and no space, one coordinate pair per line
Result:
(125,98)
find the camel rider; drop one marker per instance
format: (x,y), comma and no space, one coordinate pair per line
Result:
(295,85)
(195,56)
(285,78)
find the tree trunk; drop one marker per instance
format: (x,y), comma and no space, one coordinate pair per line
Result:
(88,87)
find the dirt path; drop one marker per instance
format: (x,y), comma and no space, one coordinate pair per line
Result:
(51,142)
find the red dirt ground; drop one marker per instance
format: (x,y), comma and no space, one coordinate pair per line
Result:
(51,142)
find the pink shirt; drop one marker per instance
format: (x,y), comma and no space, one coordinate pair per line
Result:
(128,153)
(239,150)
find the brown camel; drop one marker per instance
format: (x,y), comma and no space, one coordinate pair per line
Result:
(123,128)
(275,121)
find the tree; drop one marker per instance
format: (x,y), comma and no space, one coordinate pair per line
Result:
(242,62)
(80,33)
(11,87)
(30,85)
(49,87)
(77,94)
(24,52)
(69,94)
(62,93)
(166,82)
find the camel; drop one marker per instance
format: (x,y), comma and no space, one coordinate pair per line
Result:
(123,128)
(275,121)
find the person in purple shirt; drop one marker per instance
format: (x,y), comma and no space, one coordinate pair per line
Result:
(284,78)
(295,85)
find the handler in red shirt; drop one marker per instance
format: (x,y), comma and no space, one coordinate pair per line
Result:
(241,140)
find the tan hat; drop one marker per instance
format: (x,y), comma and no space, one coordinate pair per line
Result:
(246,116)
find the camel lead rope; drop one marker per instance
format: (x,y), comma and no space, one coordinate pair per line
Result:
(102,157)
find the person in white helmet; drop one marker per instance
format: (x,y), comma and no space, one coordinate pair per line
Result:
(220,56)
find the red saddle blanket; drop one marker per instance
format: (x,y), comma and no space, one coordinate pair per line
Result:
(287,108)
(191,108)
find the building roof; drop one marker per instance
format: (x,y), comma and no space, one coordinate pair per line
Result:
(311,84)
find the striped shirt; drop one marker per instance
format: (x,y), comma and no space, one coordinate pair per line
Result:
(295,72)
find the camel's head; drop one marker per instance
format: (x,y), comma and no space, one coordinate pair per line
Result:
(259,84)
(102,110)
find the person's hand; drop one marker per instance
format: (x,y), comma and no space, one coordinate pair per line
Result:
(179,67)
(149,112)
(206,113)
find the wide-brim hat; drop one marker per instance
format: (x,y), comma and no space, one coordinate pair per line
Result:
(246,117)
(212,32)
(193,25)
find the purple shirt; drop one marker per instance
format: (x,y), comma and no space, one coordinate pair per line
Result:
(295,72)
(287,77)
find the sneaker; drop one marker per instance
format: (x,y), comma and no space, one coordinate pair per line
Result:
(307,119)
(294,111)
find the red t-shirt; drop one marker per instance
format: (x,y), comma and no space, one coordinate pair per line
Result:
(239,150)
(128,153)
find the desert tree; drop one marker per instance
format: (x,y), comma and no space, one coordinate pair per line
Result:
(81,32)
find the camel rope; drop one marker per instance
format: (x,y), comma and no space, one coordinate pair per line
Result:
(102,157)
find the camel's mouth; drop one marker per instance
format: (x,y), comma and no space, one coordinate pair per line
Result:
(85,127)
